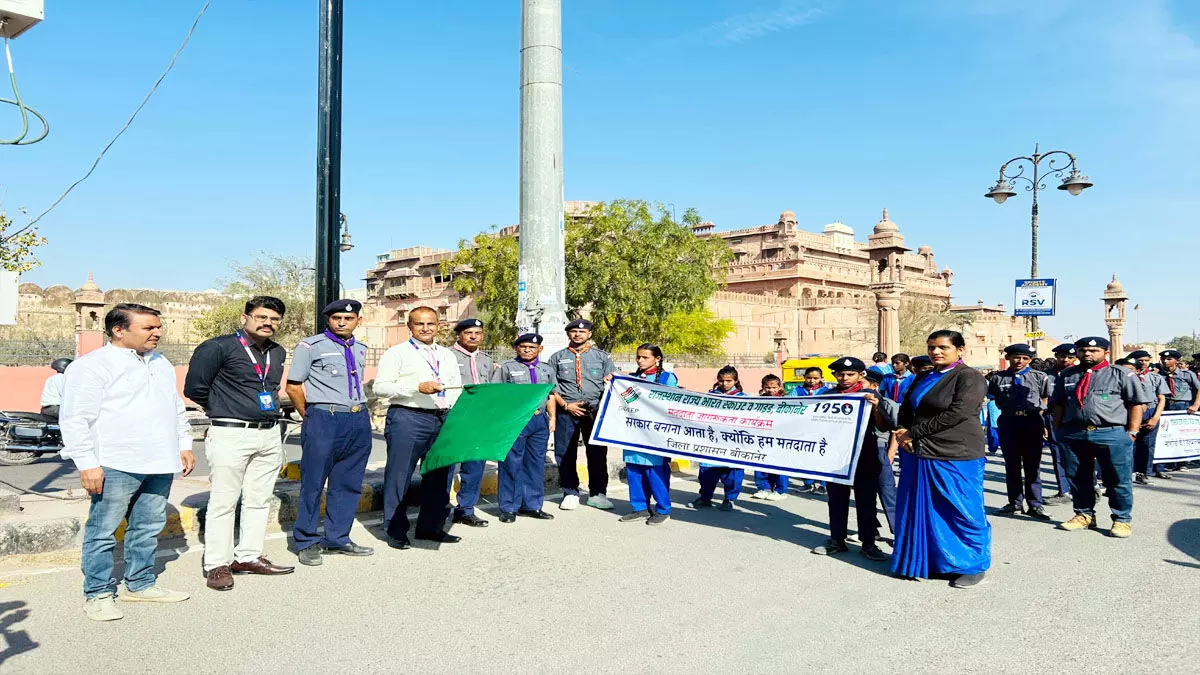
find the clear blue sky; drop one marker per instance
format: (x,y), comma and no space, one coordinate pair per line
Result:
(741,108)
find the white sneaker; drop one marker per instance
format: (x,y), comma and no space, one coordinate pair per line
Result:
(761,494)
(103,607)
(600,502)
(776,496)
(569,502)
(154,594)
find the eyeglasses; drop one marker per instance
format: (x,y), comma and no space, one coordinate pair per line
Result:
(266,319)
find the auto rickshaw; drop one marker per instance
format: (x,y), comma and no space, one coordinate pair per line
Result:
(793,370)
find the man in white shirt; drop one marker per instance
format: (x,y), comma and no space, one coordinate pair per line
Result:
(421,382)
(52,390)
(123,424)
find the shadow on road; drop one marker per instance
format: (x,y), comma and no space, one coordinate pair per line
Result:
(1185,536)
(15,641)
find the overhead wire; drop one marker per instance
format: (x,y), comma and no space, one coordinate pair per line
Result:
(124,127)
(24,109)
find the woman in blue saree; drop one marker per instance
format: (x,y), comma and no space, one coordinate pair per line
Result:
(941,526)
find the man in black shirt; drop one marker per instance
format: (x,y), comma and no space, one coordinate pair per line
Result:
(235,378)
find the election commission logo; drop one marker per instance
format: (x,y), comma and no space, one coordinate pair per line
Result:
(629,396)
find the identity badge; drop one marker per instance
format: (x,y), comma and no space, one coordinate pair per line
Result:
(266,402)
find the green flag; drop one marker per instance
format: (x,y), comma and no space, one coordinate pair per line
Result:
(484,423)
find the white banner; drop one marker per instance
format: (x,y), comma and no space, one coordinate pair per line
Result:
(1178,437)
(817,437)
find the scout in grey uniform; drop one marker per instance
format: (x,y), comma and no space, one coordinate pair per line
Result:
(1098,410)
(522,484)
(1021,394)
(1157,391)
(1183,389)
(326,385)
(580,372)
(475,367)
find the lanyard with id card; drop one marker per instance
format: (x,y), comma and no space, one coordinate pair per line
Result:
(266,402)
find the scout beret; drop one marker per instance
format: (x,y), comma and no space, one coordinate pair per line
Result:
(847,363)
(1064,349)
(580,323)
(1125,362)
(1196,356)
(340,306)
(1019,349)
(1170,354)
(467,323)
(875,376)
(1092,341)
(919,361)
(1140,354)
(532,338)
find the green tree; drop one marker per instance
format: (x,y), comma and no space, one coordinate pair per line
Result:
(698,332)
(290,279)
(486,267)
(919,318)
(1186,344)
(630,268)
(17,247)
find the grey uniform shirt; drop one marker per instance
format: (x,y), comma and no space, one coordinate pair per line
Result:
(484,365)
(1186,384)
(1026,396)
(514,372)
(320,363)
(1155,386)
(1111,391)
(595,364)
(891,414)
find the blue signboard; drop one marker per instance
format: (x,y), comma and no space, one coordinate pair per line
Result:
(1034,297)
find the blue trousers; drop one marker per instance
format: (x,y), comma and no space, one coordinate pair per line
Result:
(1057,455)
(1143,446)
(873,481)
(568,431)
(1021,443)
(470,478)
(140,498)
(1112,449)
(646,479)
(771,482)
(335,450)
(730,478)
(409,436)
(522,480)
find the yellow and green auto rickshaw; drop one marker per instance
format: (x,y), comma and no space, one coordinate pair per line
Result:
(793,370)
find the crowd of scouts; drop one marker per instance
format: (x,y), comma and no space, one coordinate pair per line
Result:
(926,414)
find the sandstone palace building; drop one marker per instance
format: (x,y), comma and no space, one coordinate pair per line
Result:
(786,289)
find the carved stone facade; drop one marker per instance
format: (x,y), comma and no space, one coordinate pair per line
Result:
(1114,316)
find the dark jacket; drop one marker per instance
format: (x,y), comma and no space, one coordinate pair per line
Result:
(946,423)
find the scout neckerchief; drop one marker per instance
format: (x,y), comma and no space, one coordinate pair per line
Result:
(532,366)
(353,379)
(579,363)
(654,375)
(265,400)
(1170,375)
(471,357)
(1143,373)
(896,384)
(429,352)
(857,386)
(1086,381)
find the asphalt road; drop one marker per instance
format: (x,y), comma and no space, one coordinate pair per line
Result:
(708,592)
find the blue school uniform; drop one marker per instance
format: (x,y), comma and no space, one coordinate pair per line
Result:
(801,391)
(771,482)
(649,473)
(729,477)
(895,387)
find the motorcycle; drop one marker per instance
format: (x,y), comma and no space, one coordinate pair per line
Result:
(25,436)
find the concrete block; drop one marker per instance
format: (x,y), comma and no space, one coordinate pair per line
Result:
(40,536)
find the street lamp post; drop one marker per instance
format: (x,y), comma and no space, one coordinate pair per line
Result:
(1073,184)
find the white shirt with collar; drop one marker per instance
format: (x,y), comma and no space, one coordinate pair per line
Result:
(123,411)
(52,390)
(405,366)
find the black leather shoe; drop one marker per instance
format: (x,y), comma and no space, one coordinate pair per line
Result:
(1008,509)
(399,543)
(439,537)
(350,549)
(1140,479)
(1060,498)
(471,520)
(508,517)
(1037,512)
(1163,476)
(539,514)
(310,556)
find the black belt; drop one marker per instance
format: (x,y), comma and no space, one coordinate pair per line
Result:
(436,412)
(1096,427)
(338,408)
(243,425)
(1022,413)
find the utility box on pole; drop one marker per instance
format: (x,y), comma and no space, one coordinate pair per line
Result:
(541,289)
(18,16)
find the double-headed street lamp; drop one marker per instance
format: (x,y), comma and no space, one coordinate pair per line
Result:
(1074,184)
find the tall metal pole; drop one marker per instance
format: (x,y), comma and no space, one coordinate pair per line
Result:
(329,157)
(541,290)
(1033,320)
